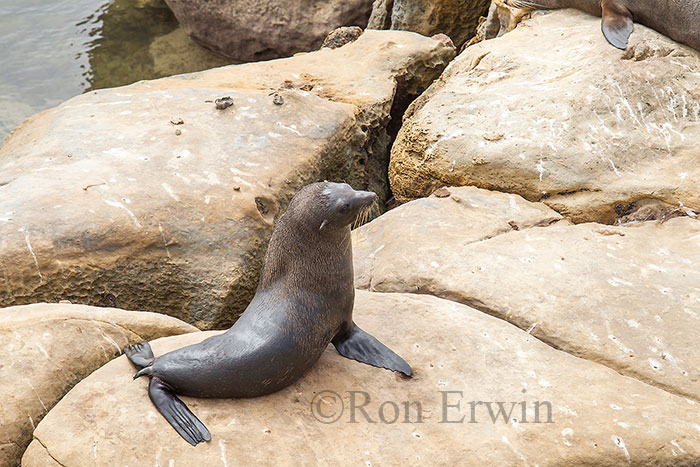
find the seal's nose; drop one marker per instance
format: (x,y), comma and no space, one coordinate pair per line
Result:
(365,198)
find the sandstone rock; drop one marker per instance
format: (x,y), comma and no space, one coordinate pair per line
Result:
(437,228)
(552,112)
(597,416)
(626,297)
(265,29)
(381,14)
(456,18)
(100,195)
(47,348)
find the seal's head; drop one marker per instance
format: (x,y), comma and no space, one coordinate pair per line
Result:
(328,206)
(313,233)
(342,205)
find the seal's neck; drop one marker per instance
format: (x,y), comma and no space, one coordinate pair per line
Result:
(301,254)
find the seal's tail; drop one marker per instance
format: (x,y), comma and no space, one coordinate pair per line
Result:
(176,412)
(360,346)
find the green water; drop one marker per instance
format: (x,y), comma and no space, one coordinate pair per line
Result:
(52,50)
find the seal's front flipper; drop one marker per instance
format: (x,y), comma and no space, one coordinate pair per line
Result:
(617,24)
(358,345)
(140,354)
(176,413)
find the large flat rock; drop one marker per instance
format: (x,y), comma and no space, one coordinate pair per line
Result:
(552,112)
(399,243)
(100,195)
(47,348)
(627,297)
(597,416)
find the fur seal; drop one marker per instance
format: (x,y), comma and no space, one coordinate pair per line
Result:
(303,302)
(677,19)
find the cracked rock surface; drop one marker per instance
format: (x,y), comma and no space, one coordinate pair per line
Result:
(552,112)
(47,348)
(152,194)
(598,417)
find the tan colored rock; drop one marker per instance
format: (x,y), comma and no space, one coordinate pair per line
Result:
(457,19)
(266,29)
(627,297)
(552,112)
(399,243)
(48,348)
(598,417)
(381,14)
(100,195)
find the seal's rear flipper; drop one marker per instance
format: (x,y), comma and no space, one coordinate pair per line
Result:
(360,346)
(617,24)
(176,413)
(140,354)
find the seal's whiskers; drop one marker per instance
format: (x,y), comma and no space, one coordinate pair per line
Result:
(364,215)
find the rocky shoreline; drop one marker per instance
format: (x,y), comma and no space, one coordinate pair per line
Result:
(532,255)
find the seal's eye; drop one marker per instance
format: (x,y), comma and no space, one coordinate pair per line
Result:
(345,208)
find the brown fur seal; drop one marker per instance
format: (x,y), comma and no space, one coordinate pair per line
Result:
(677,19)
(304,301)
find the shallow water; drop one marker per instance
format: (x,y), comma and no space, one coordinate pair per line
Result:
(52,50)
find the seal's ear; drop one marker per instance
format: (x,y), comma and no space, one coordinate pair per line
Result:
(323,224)
(617,24)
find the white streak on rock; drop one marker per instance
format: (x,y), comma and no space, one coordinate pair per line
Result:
(567,433)
(165,242)
(170,191)
(43,350)
(37,395)
(111,341)
(371,255)
(117,204)
(675,443)
(222,446)
(617,172)
(279,124)
(620,443)
(505,440)
(433,146)
(31,250)
(540,168)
